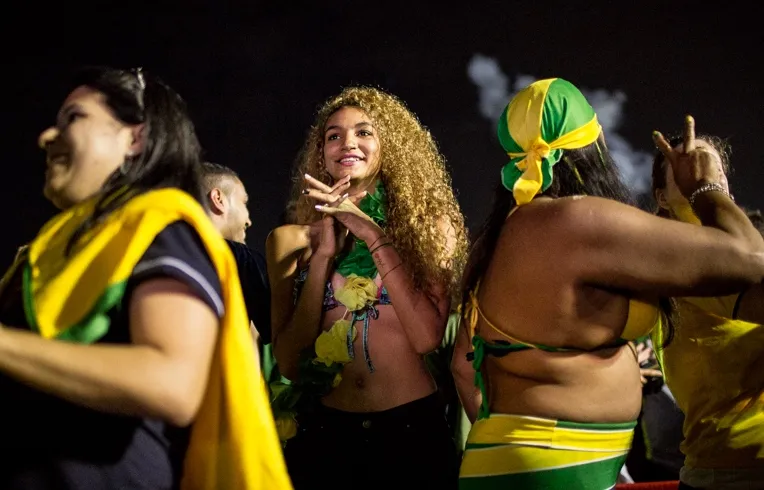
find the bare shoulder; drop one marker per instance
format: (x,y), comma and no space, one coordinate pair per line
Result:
(287,240)
(581,210)
(568,218)
(290,234)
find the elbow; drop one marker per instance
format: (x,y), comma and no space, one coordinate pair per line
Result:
(752,273)
(428,342)
(284,359)
(758,272)
(461,369)
(180,407)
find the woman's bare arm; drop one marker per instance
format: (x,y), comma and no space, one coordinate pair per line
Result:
(162,374)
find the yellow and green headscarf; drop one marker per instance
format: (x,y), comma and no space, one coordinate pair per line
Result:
(543,119)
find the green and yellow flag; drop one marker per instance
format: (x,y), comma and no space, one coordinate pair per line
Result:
(68,296)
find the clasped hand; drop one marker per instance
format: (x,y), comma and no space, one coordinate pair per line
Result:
(338,205)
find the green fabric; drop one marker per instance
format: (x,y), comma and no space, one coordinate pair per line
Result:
(268,363)
(91,328)
(359,261)
(565,109)
(599,475)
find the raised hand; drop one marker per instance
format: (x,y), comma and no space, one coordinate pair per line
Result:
(343,208)
(324,238)
(691,165)
(315,187)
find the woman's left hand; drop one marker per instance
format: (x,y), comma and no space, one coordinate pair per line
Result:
(344,210)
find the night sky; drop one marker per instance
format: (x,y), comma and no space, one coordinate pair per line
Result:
(253,77)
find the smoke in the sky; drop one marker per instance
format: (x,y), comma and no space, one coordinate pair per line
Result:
(494,94)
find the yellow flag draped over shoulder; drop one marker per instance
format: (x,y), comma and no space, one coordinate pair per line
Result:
(234,445)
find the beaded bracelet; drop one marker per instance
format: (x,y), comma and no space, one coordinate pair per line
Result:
(713,186)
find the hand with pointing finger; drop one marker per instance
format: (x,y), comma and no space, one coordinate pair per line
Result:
(691,165)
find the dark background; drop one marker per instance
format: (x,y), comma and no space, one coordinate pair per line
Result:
(253,74)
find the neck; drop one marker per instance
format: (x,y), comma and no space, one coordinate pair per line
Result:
(219,223)
(368,184)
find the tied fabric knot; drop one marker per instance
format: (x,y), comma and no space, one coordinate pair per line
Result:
(539,123)
(531,180)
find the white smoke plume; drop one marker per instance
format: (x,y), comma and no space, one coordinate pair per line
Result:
(494,94)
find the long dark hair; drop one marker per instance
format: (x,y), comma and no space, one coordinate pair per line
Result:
(171,155)
(587,171)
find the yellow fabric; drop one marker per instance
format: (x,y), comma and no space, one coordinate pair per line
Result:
(714,366)
(643,318)
(529,184)
(525,129)
(517,444)
(233,440)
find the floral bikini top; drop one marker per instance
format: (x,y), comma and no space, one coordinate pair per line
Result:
(368,313)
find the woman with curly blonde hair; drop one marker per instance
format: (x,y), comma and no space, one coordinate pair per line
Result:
(362,283)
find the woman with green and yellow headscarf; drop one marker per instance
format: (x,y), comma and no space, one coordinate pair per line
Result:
(561,278)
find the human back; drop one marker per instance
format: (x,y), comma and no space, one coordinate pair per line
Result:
(561,278)
(529,293)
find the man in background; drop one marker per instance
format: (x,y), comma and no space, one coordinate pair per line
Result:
(227,203)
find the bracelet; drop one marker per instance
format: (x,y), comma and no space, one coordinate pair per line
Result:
(713,186)
(378,239)
(386,244)
(382,278)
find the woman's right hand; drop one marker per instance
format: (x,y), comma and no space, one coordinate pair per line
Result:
(692,166)
(323,238)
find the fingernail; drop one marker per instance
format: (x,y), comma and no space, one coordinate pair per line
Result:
(305,191)
(318,207)
(346,195)
(656,133)
(688,118)
(307,176)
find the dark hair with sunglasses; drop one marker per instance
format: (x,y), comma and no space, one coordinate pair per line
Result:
(171,155)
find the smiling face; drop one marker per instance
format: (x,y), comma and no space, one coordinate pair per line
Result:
(351,145)
(85,147)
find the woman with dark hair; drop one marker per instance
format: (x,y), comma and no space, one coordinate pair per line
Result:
(711,353)
(125,356)
(562,277)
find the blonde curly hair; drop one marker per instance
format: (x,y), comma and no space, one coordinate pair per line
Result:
(420,199)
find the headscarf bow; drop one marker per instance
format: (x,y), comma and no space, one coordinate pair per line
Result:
(543,119)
